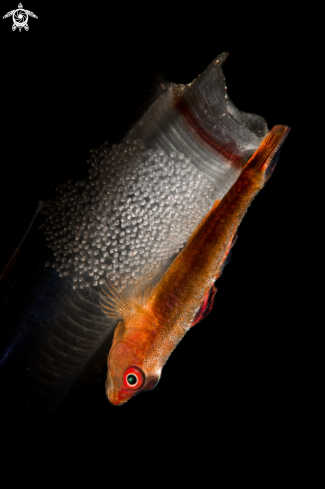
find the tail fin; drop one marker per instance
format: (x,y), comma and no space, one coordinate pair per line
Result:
(266,156)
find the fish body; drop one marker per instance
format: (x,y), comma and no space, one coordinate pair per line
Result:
(154,322)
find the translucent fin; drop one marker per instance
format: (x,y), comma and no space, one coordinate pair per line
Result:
(122,304)
(228,254)
(206,306)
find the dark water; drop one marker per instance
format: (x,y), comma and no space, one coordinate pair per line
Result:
(229,393)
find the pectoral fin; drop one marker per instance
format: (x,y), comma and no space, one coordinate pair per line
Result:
(206,306)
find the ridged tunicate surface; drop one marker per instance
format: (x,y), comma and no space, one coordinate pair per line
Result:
(134,211)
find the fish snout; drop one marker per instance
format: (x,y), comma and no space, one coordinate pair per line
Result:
(113,396)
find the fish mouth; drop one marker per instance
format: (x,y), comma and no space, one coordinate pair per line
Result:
(113,399)
(111,394)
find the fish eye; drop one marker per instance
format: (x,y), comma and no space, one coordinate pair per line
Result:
(133,378)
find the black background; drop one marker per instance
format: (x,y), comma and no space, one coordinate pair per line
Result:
(229,400)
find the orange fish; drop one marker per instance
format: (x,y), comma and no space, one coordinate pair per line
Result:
(156,315)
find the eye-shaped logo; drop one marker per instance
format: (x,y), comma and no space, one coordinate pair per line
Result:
(20,18)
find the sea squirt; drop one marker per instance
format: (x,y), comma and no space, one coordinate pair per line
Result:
(143,198)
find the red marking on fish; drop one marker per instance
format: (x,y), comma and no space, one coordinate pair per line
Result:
(206,306)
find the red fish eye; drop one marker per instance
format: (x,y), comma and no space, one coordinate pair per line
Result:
(133,378)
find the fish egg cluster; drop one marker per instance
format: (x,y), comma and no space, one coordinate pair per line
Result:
(134,210)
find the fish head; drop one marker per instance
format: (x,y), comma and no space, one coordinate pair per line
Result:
(129,369)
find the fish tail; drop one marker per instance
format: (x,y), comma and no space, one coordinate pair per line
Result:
(265,158)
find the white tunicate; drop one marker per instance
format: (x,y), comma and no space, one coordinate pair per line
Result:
(135,210)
